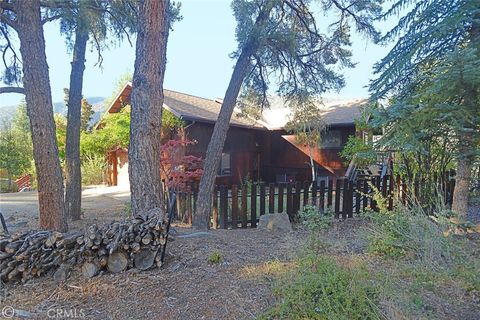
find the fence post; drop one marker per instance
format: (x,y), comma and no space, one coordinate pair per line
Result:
(253,206)
(306,187)
(298,192)
(243,211)
(234,206)
(358,196)
(271,198)
(337,197)
(345,200)
(373,203)
(189,207)
(289,201)
(350,199)
(330,193)
(390,193)
(262,198)
(314,193)
(321,203)
(280,198)
(223,207)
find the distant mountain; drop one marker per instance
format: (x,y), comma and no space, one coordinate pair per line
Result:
(8,112)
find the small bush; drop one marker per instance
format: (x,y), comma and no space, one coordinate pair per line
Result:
(314,220)
(408,232)
(93,167)
(320,288)
(215,257)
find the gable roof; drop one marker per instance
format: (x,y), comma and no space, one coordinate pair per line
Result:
(335,112)
(187,107)
(192,108)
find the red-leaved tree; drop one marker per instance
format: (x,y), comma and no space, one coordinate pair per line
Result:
(178,169)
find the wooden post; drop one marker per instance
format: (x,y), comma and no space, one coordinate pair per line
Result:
(321,203)
(215,208)
(234,206)
(337,197)
(223,207)
(253,206)
(384,186)
(330,193)
(289,201)
(189,207)
(306,187)
(296,203)
(262,199)
(271,198)
(373,203)
(243,211)
(280,197)
(365,194)
(358,196)
(314,193)
(390,193)
(345,199)
(350,199)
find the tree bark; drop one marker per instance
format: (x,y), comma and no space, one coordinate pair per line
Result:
(38,96)
(147,102)
(73,176)
(201,218)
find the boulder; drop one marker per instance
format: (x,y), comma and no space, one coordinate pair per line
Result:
(275,222)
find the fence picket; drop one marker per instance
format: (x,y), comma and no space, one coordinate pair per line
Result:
(253,206)
(234,206)
(243,211)
(271,198)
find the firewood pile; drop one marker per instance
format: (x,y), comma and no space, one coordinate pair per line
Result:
(136,243)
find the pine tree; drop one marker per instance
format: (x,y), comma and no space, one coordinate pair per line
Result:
(280,39)
(438,33)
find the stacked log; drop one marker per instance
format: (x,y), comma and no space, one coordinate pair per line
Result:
(114,247)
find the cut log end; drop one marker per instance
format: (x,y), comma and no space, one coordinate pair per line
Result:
(117,262)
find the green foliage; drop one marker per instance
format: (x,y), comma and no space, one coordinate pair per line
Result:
(320,288)
(16,144)
(170,122)
(86,115)
(215,257)
(61,133)
(364,154)
(314,220)
(409,232)
(93,168)
(283,39)
(114,132)
(430,30)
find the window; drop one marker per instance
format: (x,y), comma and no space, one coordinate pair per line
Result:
(331,139)
(224,168)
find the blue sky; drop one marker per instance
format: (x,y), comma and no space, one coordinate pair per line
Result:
(198,58)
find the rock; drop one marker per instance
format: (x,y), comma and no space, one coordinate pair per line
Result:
(275,222)
(62,273)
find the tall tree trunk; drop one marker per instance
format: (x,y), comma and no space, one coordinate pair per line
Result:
(201,219)
(38,96)
(73,176)
(147,102)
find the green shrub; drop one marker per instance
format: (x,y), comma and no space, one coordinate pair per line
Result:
(314,220)
(93,168)
(215,257)
(320,288)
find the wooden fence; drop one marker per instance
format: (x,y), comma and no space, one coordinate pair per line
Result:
(241,206)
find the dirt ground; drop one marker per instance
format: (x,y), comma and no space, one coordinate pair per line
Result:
(187,287)
(100,204)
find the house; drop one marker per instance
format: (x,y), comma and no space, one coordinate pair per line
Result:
(260,150)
